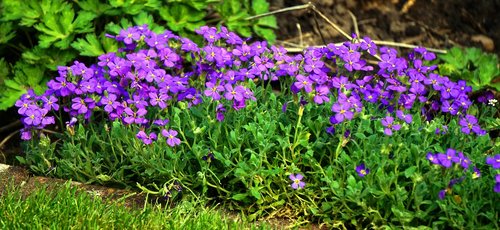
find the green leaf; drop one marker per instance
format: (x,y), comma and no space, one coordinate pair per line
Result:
(260,6)
(180,16)
(255,192)
(94,6)
(6,33)
(487,69)
(230,7)
(50,58)
(269,21)
(455,57)
(473,54)
(410,171)
(240,196)
(115,28)
(4,70)
(197,4)
(31,12)
(59,29)
(90,46)
(145,18)
(266,33)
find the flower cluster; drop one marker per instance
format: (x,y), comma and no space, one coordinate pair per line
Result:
(154,71)
(447,159)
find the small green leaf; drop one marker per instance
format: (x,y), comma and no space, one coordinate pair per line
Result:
(180,16)
(94,6)
(255,192)
(90,46)
(145,18)
(6,33)
(410,171)
(260,6)
(240,196)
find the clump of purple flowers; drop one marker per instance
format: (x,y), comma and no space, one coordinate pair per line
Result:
(447,159)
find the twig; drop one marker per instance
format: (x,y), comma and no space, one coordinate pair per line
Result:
(301,40)
(7,138)
(319,29)
(355,22)
(10,126)
(313,7)
(292,8)
(404,45)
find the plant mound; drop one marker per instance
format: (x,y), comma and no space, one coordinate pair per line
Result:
(325,135)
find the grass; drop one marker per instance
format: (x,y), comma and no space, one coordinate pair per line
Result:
(67,208)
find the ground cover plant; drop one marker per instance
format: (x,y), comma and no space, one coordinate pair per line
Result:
(324,136)
(38,36)
(66,207)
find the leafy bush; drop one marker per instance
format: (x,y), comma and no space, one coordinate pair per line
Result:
(38,36)
(479,69)
(342,142)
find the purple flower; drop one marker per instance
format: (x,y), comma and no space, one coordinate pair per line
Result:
(432,158)
(236,93)
(110,103)
(160,100)
(464,161)
(135,116)
(343,111)
(303,82)
(61,86)
(362,170)
(213,90)
(50,103)
(369,45)
(23,106)
(469,123)
(297,181)
(428,56)
(404,117)
(448,107)
(494,161)
(342,83)
(79,105)
(321,94)
(33,117)
(220,112)
(146,139)
(387,122)
(447,159)
(442,194)
(129,35)
(172,140)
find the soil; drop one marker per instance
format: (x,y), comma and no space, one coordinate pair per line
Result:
(429,23)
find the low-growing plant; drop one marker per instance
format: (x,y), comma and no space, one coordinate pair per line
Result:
(38,36)
(344,142)
(479,69)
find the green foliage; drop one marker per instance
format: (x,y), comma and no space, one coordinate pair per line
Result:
(45,34)
(257,148)
(479,69)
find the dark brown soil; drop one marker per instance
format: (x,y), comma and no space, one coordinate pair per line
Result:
(430,23)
